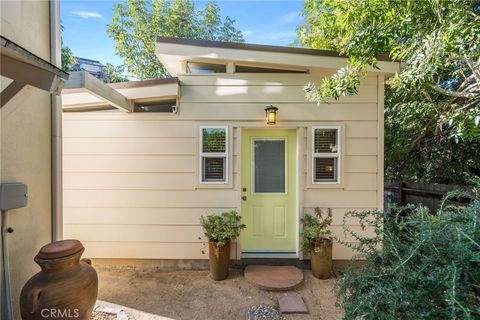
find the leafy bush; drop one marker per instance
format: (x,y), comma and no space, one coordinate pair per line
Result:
(418,266)
(315,229)
(222,228)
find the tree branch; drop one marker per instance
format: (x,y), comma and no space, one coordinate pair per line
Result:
(466,82)
(473,67)
(422,134)
(465,95)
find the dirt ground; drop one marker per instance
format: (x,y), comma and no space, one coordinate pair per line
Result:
(192,295)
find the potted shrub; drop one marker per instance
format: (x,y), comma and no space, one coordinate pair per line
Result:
(220,230)
(316,239)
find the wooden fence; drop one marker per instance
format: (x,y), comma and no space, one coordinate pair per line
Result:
(427,194)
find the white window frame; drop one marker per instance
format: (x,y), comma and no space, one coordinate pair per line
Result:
(337,155)
(213,155)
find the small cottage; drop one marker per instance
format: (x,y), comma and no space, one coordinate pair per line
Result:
(231,130)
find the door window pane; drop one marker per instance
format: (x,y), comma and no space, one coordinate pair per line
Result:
(269,166)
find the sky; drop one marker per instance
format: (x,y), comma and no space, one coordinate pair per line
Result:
(261,22)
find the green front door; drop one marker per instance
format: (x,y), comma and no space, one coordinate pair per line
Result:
(268,191)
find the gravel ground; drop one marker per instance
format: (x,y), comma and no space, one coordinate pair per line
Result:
(192,295)
(263,312)
(98,315)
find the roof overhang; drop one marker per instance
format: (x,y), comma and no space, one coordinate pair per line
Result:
(84,92)
(25,68)
(172,52)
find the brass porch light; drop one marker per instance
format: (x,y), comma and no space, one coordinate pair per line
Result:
(271,113)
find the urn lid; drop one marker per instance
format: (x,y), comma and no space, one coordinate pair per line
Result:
(60,249)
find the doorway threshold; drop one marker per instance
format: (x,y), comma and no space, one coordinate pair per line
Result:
(269,254)
(244,262)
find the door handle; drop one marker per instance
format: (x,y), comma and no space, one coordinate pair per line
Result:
(244,198)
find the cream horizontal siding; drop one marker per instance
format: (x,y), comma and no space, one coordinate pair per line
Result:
(361,129)
(341,252)
(263,94)
(128,181)
(106,128)
(360,147)
(360,181)
(145,250)
(352,232)
(136,146)
(238,112)
(359,164)
(261,79)
(128,163)
(149,198)
(167,216)
(178,216)
(208,111)
(131,182)
(136,233)
(338,215)
(338,198)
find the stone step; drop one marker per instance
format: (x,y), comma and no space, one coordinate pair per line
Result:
(291,303)
(274,278)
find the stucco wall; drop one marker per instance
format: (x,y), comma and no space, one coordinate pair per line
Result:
(131,180)
(25,144)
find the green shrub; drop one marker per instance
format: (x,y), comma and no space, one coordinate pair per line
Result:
(419,266)
(222,228)
(315,229)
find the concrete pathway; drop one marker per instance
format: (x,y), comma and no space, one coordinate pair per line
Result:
(109,311)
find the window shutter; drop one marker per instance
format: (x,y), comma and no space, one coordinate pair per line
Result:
(325,169)
(326,141)
(213,169)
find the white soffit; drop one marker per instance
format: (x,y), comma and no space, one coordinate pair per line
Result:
(25,68)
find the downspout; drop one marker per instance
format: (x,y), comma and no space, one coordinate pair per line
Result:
(6,291)
(56,126)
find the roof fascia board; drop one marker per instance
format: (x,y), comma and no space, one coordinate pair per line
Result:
(83,80)
(24,72)
(157,91)
(87,105)
(143,83)
(172,54)
(76,93)
(256,47)
(11,49)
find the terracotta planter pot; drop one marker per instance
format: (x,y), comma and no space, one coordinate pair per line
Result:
(321,259)
(66,288)
(219,260)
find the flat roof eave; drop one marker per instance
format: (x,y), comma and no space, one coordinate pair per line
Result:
(258,47)
(173,51)
(83,90)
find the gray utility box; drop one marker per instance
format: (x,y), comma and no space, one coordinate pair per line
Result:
(13,195)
